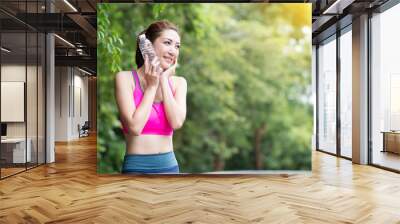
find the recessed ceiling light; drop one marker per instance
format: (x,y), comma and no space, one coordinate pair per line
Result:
(71,6)
(86,72)
(5,50)
(64,40)
(337,7)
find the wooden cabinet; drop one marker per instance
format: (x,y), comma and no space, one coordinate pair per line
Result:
(391,142)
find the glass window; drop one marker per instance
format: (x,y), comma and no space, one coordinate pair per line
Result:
(346,94)
(385,87)
(327,96)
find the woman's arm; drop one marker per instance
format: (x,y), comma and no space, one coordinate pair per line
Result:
(175,107)
(133,118)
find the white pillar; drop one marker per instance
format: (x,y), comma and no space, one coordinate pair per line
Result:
(50,94)
(50,110)
(360,90)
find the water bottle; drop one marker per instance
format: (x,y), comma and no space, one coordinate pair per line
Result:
(146,47)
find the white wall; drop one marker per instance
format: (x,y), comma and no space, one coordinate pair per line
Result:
(71,87)
(61,103)
(80,83)
(12,73)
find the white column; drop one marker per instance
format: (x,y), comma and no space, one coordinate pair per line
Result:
(360,90)
(50,110)
(50,94)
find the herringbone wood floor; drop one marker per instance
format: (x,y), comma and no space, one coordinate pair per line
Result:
(70,191)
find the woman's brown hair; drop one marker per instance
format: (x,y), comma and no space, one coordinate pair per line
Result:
(152,33)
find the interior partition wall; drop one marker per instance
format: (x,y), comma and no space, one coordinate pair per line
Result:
(13,109)
(385,88)
(22,88)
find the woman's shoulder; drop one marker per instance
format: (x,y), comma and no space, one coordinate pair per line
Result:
(179,80)
(124,77)
(123,74)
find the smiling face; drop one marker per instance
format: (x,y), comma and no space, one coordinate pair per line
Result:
(167,47)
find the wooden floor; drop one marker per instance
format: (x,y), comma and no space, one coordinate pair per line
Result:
(10,171)
(387,159)
(70,191)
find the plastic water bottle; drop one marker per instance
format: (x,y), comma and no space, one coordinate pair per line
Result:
(146,47)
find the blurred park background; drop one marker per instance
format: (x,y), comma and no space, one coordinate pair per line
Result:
(248,69)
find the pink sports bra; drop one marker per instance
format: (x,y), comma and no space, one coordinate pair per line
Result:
(157,124)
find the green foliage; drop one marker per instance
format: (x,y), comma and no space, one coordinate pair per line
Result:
(247,67)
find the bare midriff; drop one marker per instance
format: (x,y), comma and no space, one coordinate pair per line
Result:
(148,144)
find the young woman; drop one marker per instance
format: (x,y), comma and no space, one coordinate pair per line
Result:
(152,104)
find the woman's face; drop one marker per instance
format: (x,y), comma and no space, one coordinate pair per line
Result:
(167,47)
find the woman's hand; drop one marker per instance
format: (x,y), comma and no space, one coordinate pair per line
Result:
(151,72)
(170,71)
